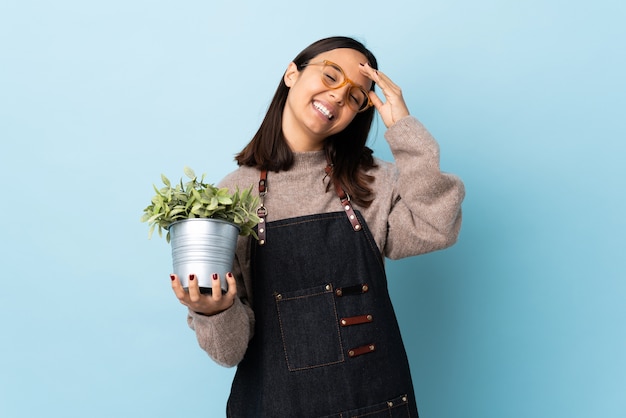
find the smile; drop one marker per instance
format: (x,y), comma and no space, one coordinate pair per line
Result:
(323,110)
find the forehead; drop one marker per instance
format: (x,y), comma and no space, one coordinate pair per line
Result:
(348,60)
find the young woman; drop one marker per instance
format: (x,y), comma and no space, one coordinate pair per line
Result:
(307,318)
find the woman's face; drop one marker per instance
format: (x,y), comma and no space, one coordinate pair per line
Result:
(314,111)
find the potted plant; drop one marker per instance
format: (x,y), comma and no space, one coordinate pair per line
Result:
(202,223)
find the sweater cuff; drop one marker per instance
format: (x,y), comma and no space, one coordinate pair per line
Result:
(220,317)
(404,127)
(409,133)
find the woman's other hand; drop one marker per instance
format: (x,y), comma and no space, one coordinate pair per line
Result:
(394,108)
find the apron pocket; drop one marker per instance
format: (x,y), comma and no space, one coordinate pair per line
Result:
(309,327)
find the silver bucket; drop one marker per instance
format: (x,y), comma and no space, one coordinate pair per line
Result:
(203,246)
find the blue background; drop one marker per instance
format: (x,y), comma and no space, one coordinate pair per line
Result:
(524,317)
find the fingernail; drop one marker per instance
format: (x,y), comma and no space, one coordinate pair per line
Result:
(172,277)
(192,277)
(214,276)
(230,275)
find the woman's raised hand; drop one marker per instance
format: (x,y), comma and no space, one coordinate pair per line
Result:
(394,108)
(205,304)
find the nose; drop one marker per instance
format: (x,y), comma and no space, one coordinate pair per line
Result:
(339,95)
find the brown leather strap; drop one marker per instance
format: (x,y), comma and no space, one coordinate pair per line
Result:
(345,200)
(262,210)
(359,351)
(356,320)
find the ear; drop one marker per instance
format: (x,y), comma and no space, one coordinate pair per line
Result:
(291,75)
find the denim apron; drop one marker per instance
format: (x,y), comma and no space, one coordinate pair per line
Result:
(326,340)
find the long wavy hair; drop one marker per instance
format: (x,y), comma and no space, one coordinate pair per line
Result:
(346,150)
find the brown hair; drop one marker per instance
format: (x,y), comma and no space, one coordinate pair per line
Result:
(346,150)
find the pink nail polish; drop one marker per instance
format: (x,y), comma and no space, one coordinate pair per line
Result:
(214,276)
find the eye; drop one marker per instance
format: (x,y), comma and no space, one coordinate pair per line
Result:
(330,77)
(357,96)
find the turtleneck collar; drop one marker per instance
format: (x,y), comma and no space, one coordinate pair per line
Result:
(305,161)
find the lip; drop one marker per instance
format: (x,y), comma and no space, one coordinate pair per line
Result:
(321,112)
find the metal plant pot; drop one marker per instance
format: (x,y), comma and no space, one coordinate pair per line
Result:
(203,246)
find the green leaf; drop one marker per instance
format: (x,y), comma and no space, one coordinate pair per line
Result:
(224,200)
(177,211)
(196,194)
(196,209)
(189,172)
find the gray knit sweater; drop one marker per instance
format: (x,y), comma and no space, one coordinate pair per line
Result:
(416,209)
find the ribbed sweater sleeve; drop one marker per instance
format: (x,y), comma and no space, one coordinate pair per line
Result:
(425,212)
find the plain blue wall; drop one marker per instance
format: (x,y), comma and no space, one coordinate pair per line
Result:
(522,318)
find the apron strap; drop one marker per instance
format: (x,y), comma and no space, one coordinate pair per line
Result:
(262,210)
(343,197)
(345,200)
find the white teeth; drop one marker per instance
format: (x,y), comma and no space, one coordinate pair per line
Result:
(323,109)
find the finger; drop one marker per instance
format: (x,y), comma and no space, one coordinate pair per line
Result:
(390,90)
(380,78)
(377,76)
(194,289)
(387,87)
(177,287)
(375,100)
(385,82)
(216,288)
(368,72)
(232,284)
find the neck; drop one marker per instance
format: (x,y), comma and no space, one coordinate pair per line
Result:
(304,145)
